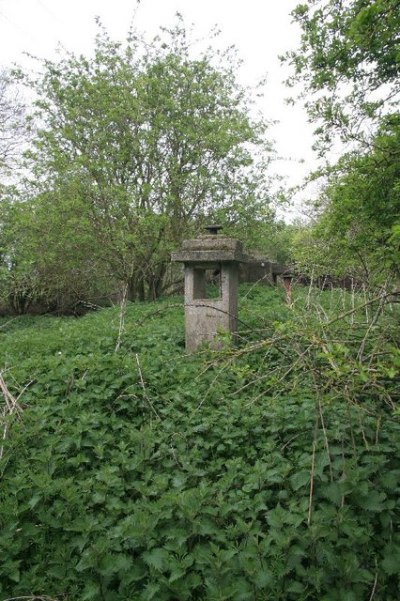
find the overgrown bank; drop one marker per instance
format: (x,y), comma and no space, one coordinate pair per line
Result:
(268,472)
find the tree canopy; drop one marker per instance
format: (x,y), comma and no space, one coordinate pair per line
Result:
(349,61)
(135,147)
(12,121)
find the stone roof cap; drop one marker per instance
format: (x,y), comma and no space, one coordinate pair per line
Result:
(210,248)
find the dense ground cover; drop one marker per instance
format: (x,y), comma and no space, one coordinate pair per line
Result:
(266,471)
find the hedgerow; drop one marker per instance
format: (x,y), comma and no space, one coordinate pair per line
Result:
(269,470)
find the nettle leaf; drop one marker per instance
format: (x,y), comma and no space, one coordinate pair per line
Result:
(391,480)
(391,560)
(333,491)
(300,479)
(374,501)
(176,575)
(12,570)
(274,518)
(150,591)
(112,564)
(33,501)
(87,561)
(156,558)
(296,587)
(263,578)
(91,592)
(151,509)
(179,481)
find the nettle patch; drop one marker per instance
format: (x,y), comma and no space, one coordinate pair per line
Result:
(267,471)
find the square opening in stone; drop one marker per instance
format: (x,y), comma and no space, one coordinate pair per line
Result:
(207,283)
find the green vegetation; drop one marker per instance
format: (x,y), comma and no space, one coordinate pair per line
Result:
(349,64)
(266,471)
(132,149)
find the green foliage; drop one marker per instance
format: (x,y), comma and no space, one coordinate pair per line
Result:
(42,262)
(259,231)
(13,131)
(356,233)
(149,474)
(349,60)
(134,146)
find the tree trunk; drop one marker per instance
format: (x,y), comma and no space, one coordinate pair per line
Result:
(136,288)
(155,281)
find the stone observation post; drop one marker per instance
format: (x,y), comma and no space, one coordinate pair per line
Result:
(210,259)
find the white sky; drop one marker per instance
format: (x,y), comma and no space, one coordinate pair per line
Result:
(260,29)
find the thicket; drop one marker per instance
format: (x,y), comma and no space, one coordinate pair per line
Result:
(269,470)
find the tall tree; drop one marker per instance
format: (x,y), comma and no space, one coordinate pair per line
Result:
(364,203)
(13,136)
(349,61)
(149,139)
(12,122)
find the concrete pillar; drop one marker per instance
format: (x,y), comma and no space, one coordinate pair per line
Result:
(287,279)
(206,316)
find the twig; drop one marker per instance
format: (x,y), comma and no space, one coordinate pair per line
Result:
(374,587)
(281,379)
(310,499)
(157,312)
(378,426)
(321,415)
(360,354)
(346,313)
(366,306)
(308,301)
(4,325)
(311,484)
(142,384)
(122,312)
(264,277)
(352,301)
(9,411)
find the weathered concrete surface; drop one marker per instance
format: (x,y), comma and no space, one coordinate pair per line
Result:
(260,270)
(206,317)
(256,270)
(208,249)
